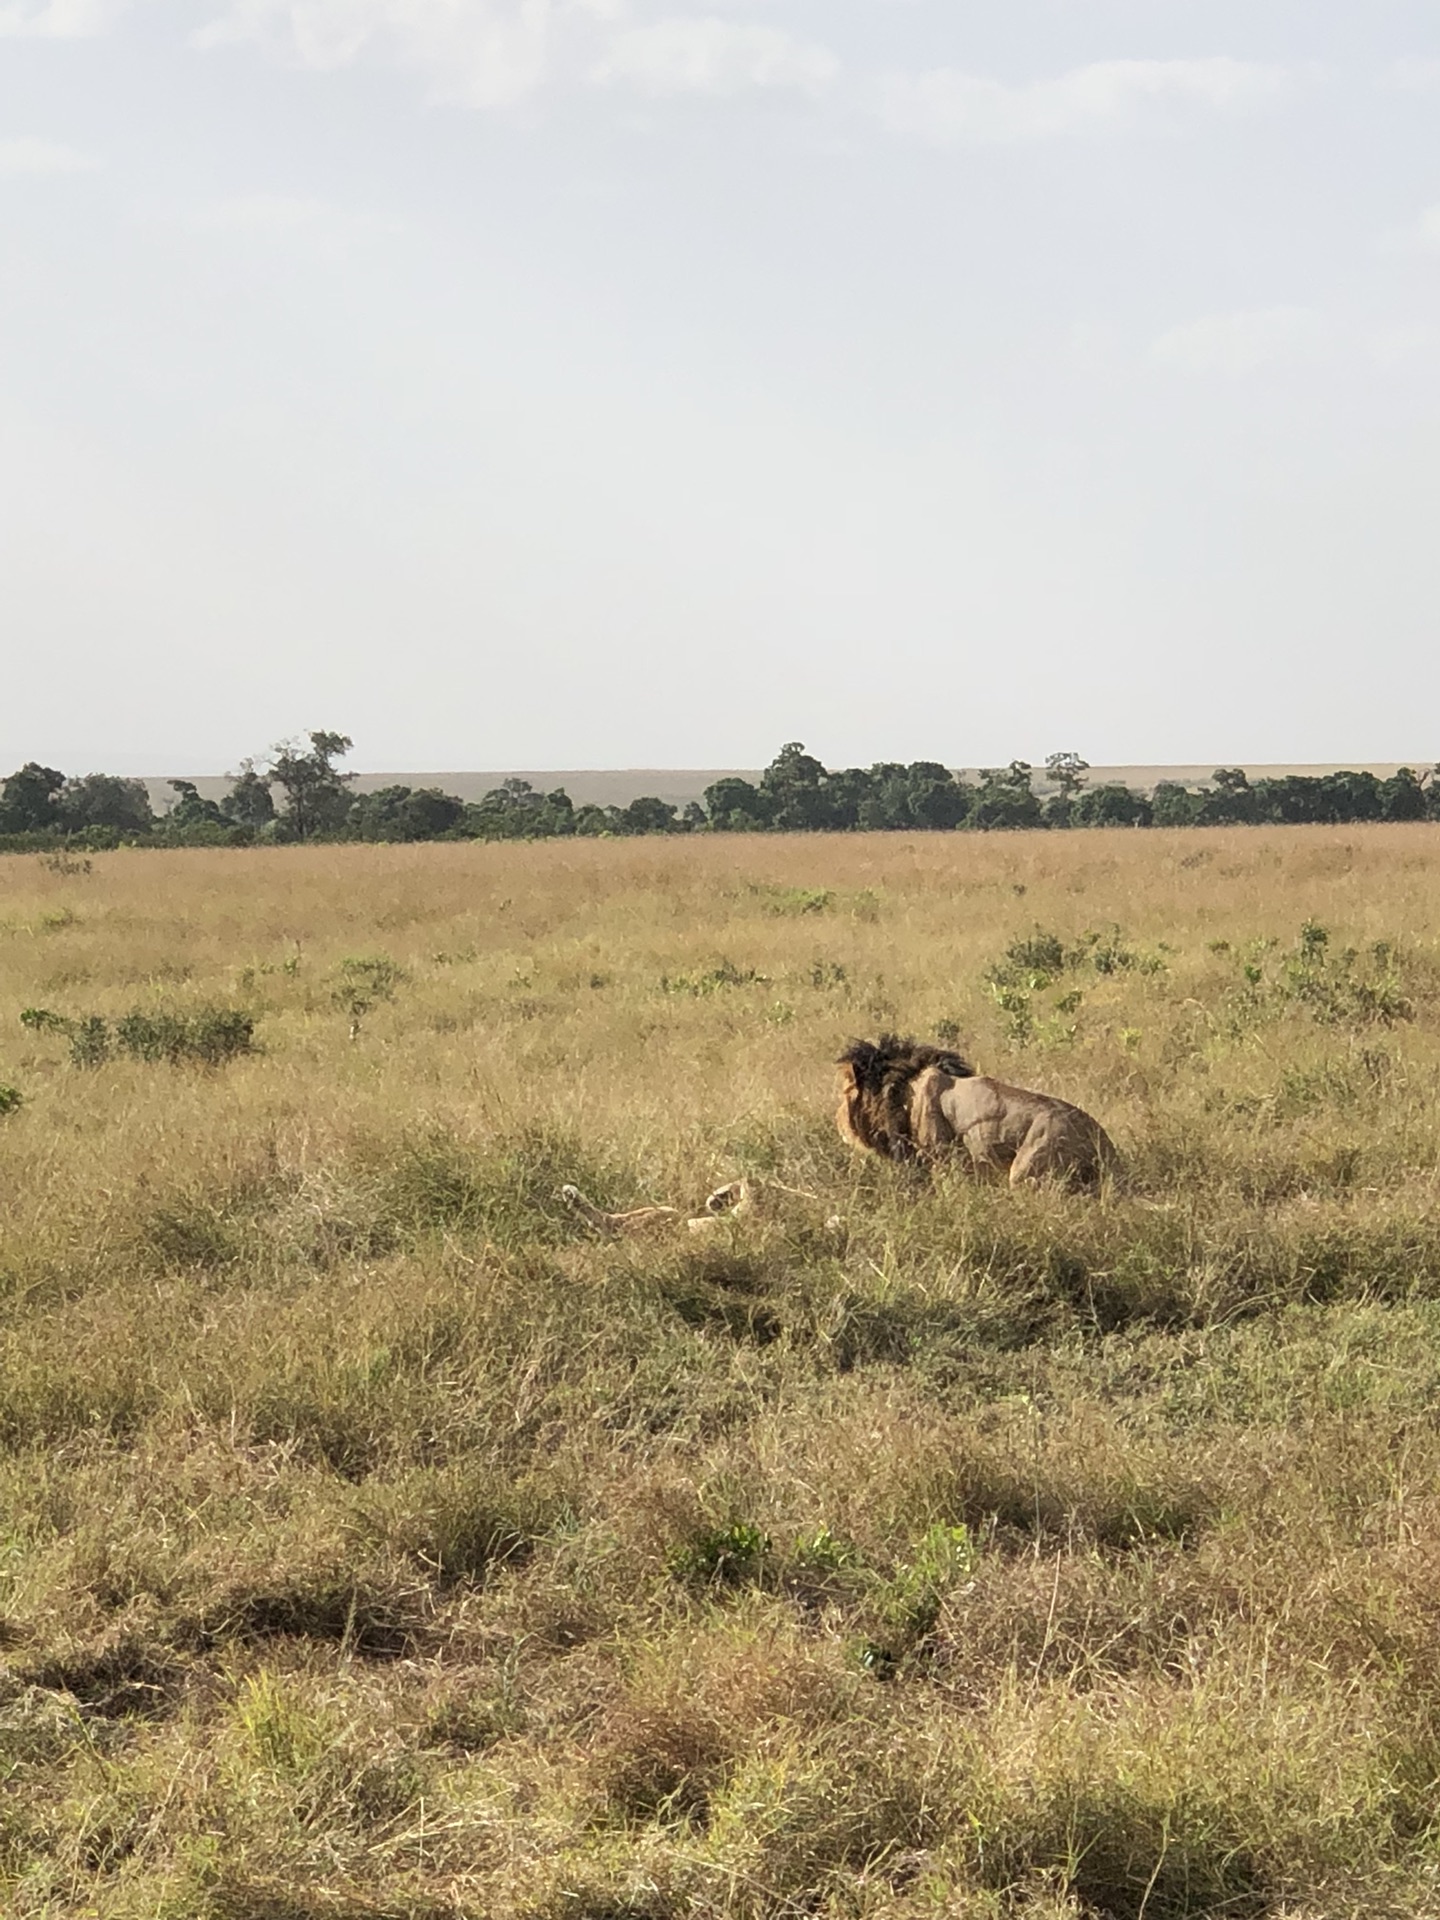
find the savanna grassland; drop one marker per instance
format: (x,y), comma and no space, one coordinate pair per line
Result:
(376,1543)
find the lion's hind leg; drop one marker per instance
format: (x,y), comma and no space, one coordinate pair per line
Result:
(1055,1149)
(1041,1156)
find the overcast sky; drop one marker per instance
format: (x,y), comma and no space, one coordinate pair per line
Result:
(643,383)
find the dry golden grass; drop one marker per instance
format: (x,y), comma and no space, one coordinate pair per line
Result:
(374,1543)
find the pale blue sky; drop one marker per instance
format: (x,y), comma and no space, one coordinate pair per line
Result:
(630,382)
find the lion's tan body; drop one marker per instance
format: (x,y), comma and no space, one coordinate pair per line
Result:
(1032,1135)
(907,1100)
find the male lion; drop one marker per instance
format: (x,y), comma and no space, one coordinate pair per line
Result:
(907,1100)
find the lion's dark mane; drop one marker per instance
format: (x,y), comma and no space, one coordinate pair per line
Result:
(883,1070)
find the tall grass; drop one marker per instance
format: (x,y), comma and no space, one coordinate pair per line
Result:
(375,1542)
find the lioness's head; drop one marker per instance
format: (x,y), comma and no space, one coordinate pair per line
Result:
(875,1079)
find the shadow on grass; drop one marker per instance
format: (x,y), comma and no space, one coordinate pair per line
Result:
(135,1678)
(1127,1858)
(250,1897)
(728,1292)
(380,1620)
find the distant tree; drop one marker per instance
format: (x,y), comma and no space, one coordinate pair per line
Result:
(875,799)
(1066,772)
(429,812)
(649,815)
(105,800)
(191,821)
(1402,797)
(1328,799)
(794,783)
(735,806)
(515,811)
(591,820)
(1005,798)
(190,810)
(693,819)
(249,802)
(1230,801)
(851,799)
(27,799)
(1172,805)
(1292,799)
(404,813)
(557,812)
(937,799)
(1350,796)
(892,797)
(317,794)
(1112,805)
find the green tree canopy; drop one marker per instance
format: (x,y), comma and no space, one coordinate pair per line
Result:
(404,813)
(649,815)
(317,794)
(27,799)
(794,784)
(105,800)
(1005,798)
(190,810)
(249,802)
(733,805)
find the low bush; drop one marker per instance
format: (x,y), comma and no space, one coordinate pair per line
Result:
(209,1036)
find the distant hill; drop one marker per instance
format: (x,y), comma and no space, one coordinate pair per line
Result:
(617,787)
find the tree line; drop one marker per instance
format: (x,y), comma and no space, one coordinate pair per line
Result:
(299,792)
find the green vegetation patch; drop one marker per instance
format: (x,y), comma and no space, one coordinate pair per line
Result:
(207,1036)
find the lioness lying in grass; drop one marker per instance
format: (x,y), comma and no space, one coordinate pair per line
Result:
(725,1203)
(908,1101)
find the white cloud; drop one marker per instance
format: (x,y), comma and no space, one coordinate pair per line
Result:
(1401,348)
(314,227)
(481,53)
(27,155)
(1239,343)
(715,56)
(57,19)
(1421,236)
(1414,76)
(949,106)
(487,53)
(262,213)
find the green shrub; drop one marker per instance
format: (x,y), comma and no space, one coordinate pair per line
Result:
(1336,986)
(729,1556)
(210,1036)
(89,1042)
(364,981)
(795,900)
(908,1605)
(1040,953)
(702,985)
